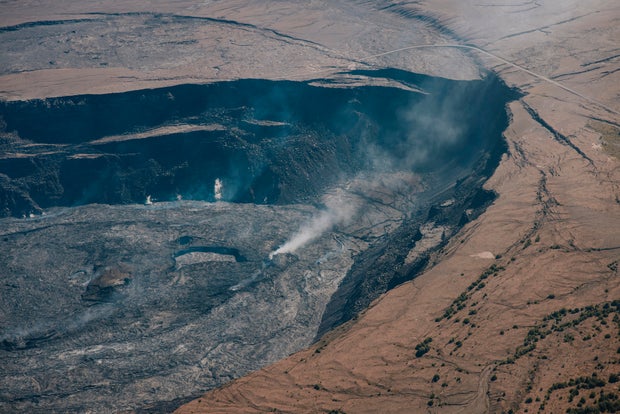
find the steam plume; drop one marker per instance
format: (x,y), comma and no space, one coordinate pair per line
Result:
(339,210)
(217,189)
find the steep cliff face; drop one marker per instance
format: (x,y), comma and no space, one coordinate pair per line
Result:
(266,142)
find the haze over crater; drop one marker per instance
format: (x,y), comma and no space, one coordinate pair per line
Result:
(193,191)
(292,186)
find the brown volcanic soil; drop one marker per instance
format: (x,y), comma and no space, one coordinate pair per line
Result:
(553,233)
(109,46)
(537,313)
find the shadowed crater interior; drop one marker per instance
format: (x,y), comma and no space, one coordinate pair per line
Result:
(263,141)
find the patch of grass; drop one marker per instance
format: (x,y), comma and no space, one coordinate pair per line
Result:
(610,137)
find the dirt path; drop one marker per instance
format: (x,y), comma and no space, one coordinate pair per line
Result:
(480,402)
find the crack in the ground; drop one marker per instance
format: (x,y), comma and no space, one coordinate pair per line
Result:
(28,25)
(559,137)
(609,72)
(542,28)
(567,74)
(607,59)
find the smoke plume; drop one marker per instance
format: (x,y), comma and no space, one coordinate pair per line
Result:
(339,210)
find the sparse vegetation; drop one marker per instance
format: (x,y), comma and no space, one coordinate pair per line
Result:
(606,403)
(431,400)
(601,312)
(461,301)
(575,385)
(423,347)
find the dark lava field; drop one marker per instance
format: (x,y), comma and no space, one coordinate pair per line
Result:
(158,243)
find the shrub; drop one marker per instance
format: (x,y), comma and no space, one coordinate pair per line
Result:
(423,347)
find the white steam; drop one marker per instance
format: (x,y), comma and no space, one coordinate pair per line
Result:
(217,189)
(340,210)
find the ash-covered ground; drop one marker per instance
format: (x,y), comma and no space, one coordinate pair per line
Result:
(167,241)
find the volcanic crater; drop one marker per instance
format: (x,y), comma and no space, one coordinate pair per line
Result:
(180,237)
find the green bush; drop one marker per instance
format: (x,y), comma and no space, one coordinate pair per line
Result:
(423,347)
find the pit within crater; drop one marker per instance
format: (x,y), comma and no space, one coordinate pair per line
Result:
(258,141)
